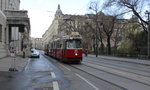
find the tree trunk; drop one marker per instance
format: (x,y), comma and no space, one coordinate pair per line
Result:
(108,45)
(102,48)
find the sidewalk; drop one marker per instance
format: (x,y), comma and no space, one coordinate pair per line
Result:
(138,61)
(6,63)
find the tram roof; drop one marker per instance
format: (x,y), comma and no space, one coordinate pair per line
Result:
(73,35)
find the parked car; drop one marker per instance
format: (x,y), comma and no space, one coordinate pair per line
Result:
(35,53)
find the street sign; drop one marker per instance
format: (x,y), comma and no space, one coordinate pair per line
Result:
(14,33)
(12,54)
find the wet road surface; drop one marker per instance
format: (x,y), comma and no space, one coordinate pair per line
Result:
(40,74)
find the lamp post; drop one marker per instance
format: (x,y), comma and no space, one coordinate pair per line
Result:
(94,7)
(148,13)
(96,52)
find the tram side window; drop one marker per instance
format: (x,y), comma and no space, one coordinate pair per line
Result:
(55,45)
(59,45)
(51,45)
(64,44)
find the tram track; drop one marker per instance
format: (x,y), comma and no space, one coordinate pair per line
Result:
(120,68)
(83,68)
(137,74)
(110,84)
(105,81)
(144,82)
(130,62)
(121,65)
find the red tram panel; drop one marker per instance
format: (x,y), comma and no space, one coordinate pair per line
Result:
(67,48)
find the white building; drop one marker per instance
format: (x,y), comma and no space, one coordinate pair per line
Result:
(9,5)
(3,51)
(53,29)
(37,43)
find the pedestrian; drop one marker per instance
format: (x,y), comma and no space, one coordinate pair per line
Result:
(86,52)
(24,55)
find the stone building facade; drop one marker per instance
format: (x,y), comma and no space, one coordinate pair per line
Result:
(3,51)
(9,5)
(14,28)
(37,43)
(53,29)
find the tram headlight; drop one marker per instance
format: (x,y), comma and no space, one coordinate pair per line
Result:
(76,54)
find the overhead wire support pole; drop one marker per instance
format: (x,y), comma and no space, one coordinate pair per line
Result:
(148,36)
(94,7)
(96,35)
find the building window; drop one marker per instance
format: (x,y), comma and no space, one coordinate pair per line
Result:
(1,4)
(0,33)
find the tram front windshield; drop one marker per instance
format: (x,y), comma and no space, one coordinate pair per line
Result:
(75,43)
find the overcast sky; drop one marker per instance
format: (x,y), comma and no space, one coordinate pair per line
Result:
(41,12)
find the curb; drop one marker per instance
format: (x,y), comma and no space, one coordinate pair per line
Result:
(26,66)
(125,61)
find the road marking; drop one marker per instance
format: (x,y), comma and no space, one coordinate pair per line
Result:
(65,67)
(55,83)
(27,65)
(87,81)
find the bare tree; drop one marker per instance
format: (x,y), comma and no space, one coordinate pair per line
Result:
(135,6)
(94,6)
(104,25)
(68,25)
(108,28)
(89,33)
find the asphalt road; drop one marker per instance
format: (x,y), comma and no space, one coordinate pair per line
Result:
(46,73)
(102,74)
(81,80)
(40,74)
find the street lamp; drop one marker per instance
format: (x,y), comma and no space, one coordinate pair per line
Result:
(94,7)
(148,13)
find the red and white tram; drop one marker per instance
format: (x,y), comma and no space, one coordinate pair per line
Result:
(67,48)
(46,49)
